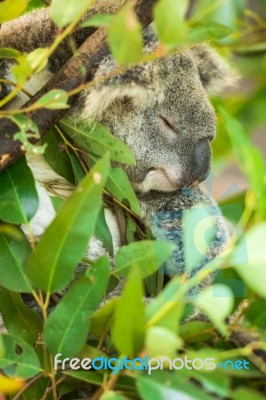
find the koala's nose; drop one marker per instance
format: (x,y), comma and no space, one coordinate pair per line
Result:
(202,159)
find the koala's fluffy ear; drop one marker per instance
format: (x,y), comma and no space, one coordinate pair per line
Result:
(215,74)
(140,83)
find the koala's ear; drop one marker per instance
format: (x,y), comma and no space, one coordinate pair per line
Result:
(140,83)
(215,74)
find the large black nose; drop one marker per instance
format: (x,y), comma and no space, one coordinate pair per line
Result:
(201,160)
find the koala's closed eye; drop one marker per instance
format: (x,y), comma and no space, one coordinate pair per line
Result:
(168,123)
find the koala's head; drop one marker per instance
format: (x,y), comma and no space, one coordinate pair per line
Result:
(162,112)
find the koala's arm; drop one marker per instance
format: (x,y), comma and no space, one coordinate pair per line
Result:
(163,213)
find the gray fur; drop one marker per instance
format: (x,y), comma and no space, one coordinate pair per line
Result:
(160,109)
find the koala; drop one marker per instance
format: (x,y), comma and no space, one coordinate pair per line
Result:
(160,110)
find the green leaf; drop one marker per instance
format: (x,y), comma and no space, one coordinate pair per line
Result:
(256,313)
(14,255)
(102,232)
(249,259)
(56,155)
(54,100)
(97,20)
(160,341)
(86,376)
(250,159)
(245,393)
(63,12)
(196,331)
(10,9)
(124,36)
(9,53)
(208,31)
(27,130)
(146,255)
(19,320)
(169,20)
(79,172)
(111,395)
(63,244)
(34,4)
(67,327)
(131,229)
(18,196)
(158,314)
(97,139)
(102,319)
(166,310)
(212,381)
(217,303)
(163,385)
(128,330)
(19,359)
(37,60)
(120,187)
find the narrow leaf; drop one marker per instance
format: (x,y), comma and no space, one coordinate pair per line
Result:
(63,12)
(124,35)
(217,302)
(10,9)
(97,139)
(54,100)
(120,187)
(18,196)
(56,155)
(23,363)
(146,255)
(249,259)
(14,255)
(169,20)
(67,327)
(19,320)
(63,244)
(128,330)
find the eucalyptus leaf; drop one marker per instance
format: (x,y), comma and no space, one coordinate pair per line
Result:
(120,187)
(9,53)
(249,258)
(18,196)
(19,320)
(97,20)
(67,327)
(61,247)
(146,255)
(128,330)
(56,99)
(126,47)
(217,302)
(160,341)
(10,9)
(24,364)
(63,12)
(102,319)
(163,385)
(14,255)
(56,155)
(169,16)
(97,139)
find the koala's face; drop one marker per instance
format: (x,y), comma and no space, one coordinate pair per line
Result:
(171,137)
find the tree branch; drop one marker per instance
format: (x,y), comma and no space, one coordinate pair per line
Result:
(70,77)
